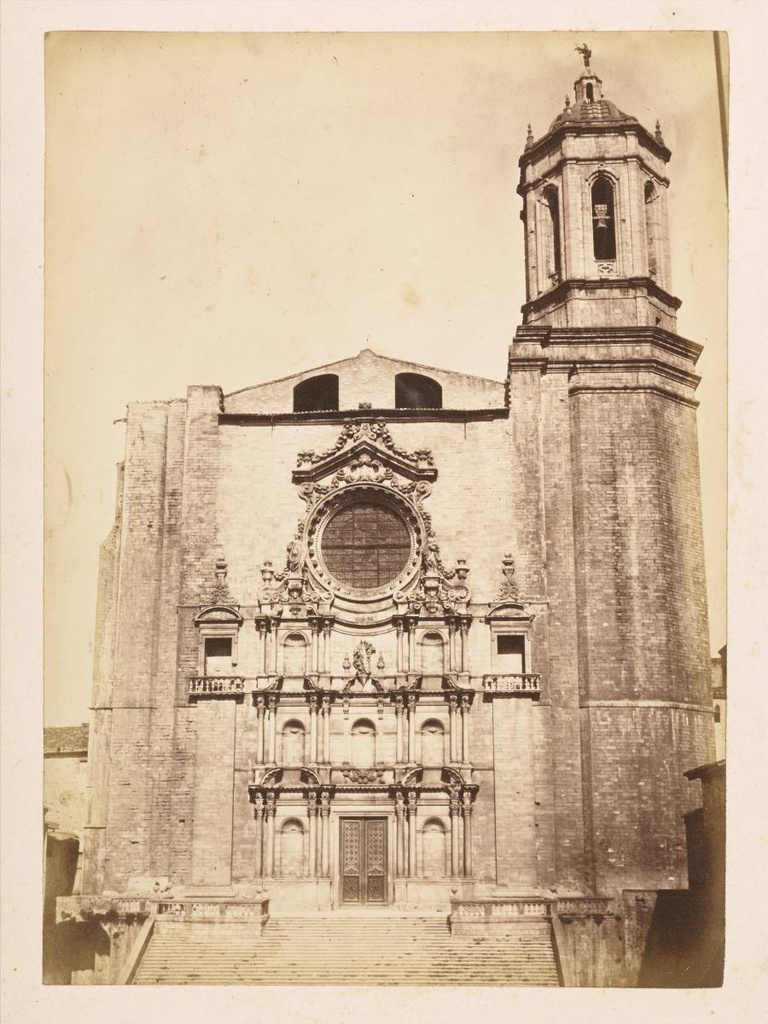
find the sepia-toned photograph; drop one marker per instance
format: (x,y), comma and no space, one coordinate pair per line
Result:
(385,498)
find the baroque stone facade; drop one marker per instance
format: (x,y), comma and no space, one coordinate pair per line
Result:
(381,634)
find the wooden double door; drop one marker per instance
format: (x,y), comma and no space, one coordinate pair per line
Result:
(363,849)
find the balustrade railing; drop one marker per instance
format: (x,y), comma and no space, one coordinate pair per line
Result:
(522,682)
(203,686)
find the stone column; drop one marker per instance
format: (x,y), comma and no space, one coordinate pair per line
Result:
(399,730)
(451,652)
(260,730)
(412,834)
(399,628)
(411,729)
(411,650)
(313,729)
(263,646)
(464,629)
(314,661)
(325,812)
(326,730)
(312,816)
(269,834)
(327,625)
(274,653)
(272,730)
(453,702)
(465,709)
(466,810)
(455,812)
(258,814)
(399,834)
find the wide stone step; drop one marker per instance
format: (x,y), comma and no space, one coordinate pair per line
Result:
(340,950)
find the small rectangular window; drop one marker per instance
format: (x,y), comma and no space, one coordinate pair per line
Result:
(510,653)
(218,656)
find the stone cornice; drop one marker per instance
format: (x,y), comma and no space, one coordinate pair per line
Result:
(630,126)
(645,285)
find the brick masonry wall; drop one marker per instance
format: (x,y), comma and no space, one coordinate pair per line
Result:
(513,790)
(130,788)
(642,629)
(212,828)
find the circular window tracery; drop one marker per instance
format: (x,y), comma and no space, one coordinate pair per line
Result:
(366,546)
(364,543)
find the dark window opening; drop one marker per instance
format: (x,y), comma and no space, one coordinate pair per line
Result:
(317,394)
(218,655)
(415,391)
(590,92)
(510,651)
(553,256)
(717,712)
(366,546)
(603,220)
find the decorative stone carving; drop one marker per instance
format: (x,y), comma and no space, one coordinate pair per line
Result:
(361,662)
(363,776)
(510,589)
(219,594)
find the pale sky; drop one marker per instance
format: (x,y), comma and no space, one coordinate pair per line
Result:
(231,208)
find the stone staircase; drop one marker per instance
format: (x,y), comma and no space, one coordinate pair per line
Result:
(373,948)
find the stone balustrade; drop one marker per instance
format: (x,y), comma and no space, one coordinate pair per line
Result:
(85,908)
(216,686)
(584,906)
(523,682)
(212,910)
(486,914)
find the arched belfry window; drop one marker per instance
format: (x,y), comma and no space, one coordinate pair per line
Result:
(317,394)
(415,391)
(651,227)
(603,220)
(552,235)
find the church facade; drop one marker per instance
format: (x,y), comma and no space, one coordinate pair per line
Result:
(385,635)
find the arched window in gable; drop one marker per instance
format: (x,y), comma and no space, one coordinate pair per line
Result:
(603,219)
(415,391)
(317,394)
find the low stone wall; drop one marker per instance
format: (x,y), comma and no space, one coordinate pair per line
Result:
(107,929)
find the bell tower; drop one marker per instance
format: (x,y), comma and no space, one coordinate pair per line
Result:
(594,189)
(602,395)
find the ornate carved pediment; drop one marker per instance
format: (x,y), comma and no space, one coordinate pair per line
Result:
(365,442)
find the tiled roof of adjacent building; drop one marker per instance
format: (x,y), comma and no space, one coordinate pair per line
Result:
(65,739)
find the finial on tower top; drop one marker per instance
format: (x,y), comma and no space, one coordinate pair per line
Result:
(658,136)
(567,101)
(529,138)
(586,54)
